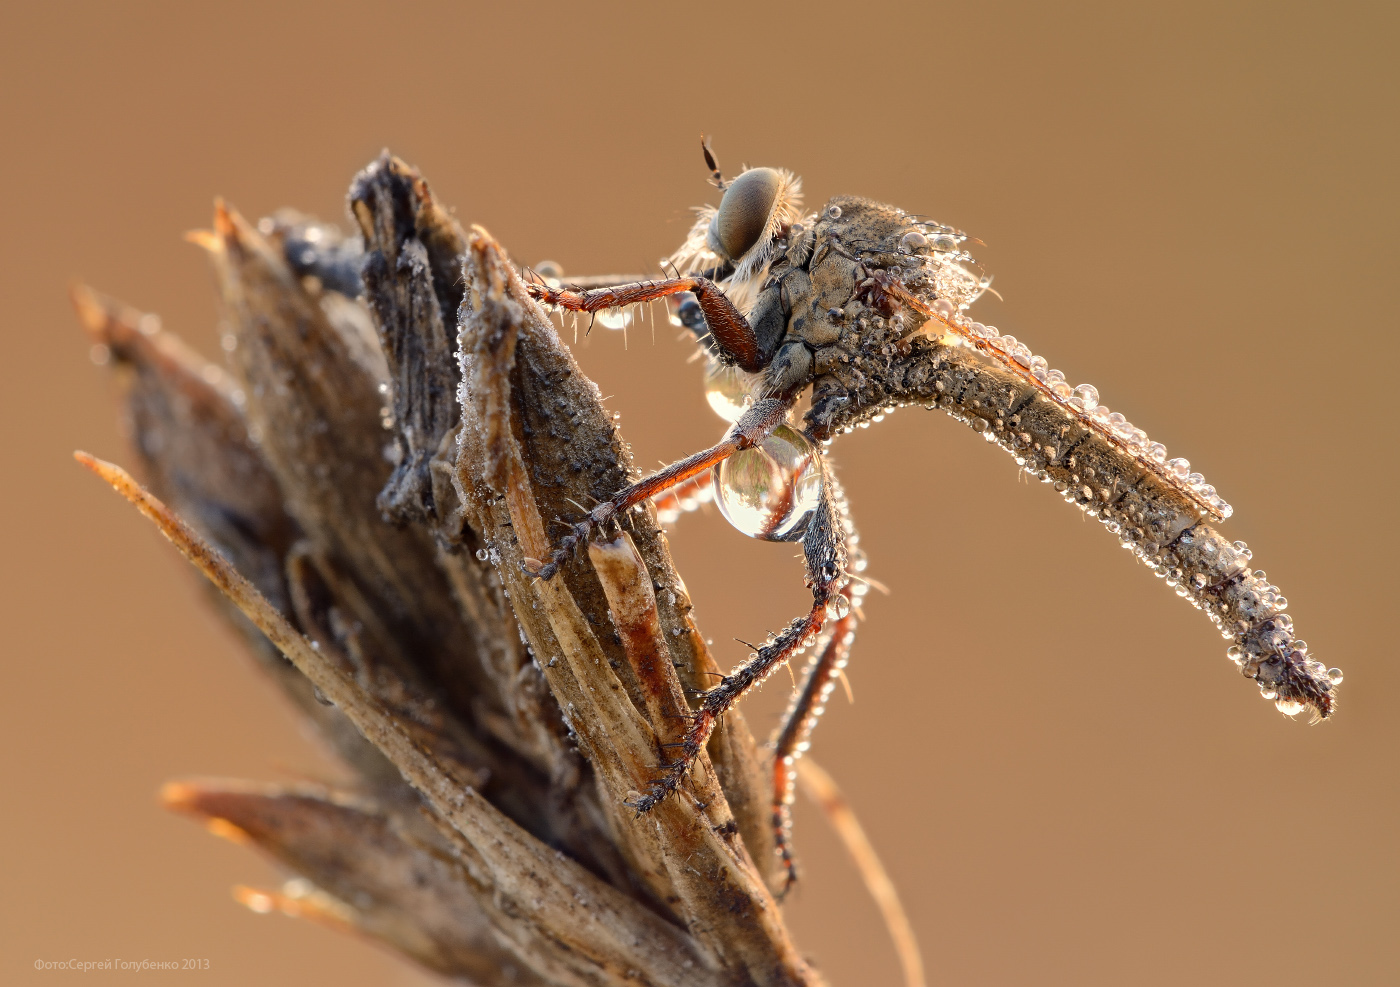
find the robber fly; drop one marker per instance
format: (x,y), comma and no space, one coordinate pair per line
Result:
(866,306)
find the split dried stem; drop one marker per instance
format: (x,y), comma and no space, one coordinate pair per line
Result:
(496,734)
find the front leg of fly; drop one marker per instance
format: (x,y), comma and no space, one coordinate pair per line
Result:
(732,337)
(755,426)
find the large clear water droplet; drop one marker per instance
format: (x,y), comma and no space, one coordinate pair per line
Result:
(770,491)
(727,391)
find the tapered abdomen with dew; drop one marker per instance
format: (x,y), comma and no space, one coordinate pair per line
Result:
(1110,470)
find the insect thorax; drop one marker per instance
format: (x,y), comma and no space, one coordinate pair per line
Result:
(821,290)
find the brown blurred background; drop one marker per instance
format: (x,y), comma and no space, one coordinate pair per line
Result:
(1195,209)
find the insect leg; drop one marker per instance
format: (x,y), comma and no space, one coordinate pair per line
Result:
(824,552)
(683,497)
(791,740)
(753,427)
(731,331)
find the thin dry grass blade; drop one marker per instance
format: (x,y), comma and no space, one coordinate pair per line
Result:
(822,789)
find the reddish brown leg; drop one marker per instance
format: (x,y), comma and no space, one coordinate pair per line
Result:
(791,740)
(824,551)
(752,427)
(684,497)
(726,323)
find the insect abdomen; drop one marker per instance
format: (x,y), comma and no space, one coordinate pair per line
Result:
(1163,526)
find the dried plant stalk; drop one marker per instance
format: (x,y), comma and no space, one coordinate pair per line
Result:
(496,724)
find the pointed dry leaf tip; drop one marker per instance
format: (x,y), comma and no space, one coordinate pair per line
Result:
(205,240)
(102,468)
(185,799)
(91,313)
(225,224)
(297,899)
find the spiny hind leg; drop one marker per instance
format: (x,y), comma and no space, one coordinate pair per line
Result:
(792,737)
(824,554)
(753,426)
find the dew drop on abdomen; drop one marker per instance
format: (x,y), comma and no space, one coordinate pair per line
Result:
(771,490)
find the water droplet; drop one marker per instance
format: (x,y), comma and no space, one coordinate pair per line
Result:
(482,555)
(1289,707)
(1334,675)
(1179,468)
(726,391)
(912,242)
(1085,397)
(838,606)
(833,212)
(945,243)
(771,490)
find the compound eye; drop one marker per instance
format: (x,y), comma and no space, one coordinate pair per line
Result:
(743,212)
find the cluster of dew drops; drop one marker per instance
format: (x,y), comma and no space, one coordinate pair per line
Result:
(1083,401)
